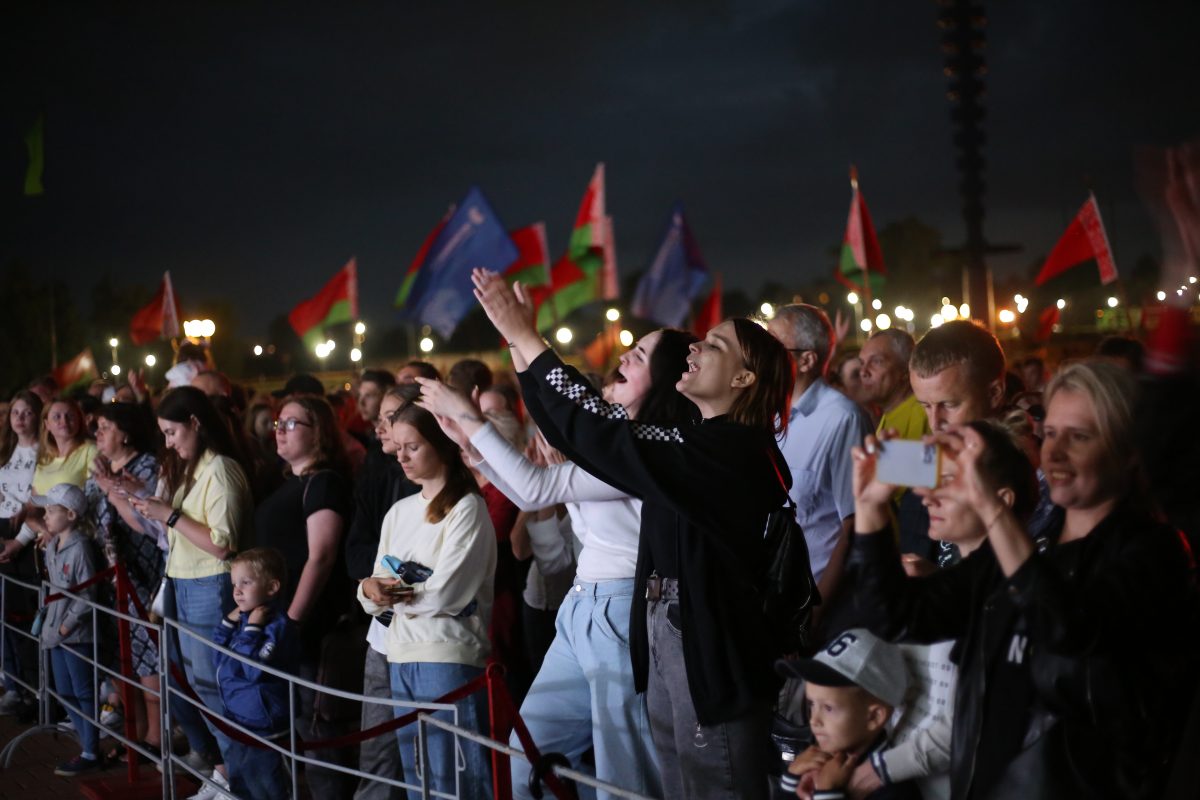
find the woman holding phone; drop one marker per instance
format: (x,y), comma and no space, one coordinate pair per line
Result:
(700,644)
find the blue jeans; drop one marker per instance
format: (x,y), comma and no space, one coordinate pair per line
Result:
(426,682)
(584,697)
(258,774)
(198,604)
(73,681)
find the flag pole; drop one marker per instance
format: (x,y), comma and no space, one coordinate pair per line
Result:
(866,298)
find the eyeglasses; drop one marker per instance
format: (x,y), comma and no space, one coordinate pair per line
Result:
(290,424)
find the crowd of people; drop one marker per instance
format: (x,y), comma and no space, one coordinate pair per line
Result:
(1023,626)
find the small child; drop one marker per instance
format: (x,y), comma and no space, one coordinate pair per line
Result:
(67,623)
(259,629)
(851,689)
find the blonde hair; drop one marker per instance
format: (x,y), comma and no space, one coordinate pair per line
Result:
(508,426)
(1113,394)
(265,563)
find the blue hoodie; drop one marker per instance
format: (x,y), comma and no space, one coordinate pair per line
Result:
(255,699)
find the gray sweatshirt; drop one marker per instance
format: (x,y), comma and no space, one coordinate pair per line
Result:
(67,565)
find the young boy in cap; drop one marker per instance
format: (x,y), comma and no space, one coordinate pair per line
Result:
(851,689)
(66,627)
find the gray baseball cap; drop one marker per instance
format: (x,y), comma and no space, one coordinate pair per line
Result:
(67,495)
(855,658)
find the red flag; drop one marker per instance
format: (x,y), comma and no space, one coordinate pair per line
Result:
(1083,240)
(533,256)
(1046,322)
(81,367)
(159,317)
(336,302)
(710,313)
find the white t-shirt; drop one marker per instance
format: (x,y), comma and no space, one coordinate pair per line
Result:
(460,549)
(16,480)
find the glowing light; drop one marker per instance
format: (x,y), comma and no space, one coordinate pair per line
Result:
(945,301)
(1161,296)
(321,349)
(1061,304)
(1112,302)
(116,369)
(564,335)
(1006,316)
(1022,304)
(426,344)
(355,355)
(1179,292)
(1192,279)
(883,322)
(949,312)
(876,304)
(113,342)
(767,310)
(258,350)
(865,325)
(360,328)
(330,344)
(964,311)
(151,360)
(626,338)
(899,312)
(612,315)
(1018,298)
(936,321)
(852,298)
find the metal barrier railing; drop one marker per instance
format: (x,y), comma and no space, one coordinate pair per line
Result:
(294,755)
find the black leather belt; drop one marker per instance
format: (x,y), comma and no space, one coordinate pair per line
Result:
(658,588)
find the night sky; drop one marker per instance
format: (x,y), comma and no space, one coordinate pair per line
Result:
(253,148)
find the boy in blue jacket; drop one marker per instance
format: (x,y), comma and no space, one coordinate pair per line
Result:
(258,629)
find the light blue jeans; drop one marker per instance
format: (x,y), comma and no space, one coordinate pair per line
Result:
(199,604)
(584,697)
(73,681)
(423,681)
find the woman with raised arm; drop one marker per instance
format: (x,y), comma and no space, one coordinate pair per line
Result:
(700,644)
(1069,650)
(584,696)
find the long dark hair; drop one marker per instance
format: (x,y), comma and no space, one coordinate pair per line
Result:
(182,405)
(459,480)
(331,453)
(8,442)
(664,405)
(767,402)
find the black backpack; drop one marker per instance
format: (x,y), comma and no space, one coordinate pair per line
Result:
(789,590)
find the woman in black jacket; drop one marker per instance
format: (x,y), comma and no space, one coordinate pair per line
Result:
(700,646)
(1070,648)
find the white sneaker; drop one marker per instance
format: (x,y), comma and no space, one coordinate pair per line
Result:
(10,703)
(111,718)
(212,791)
(66,725)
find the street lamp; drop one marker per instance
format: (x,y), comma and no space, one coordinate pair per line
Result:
(877,304)
(626,338)
(258,351)
(865,325)
(115,369)
(883,322)
(768,310)
(1112,302)
(612,315)
(151,359)
(426,344)
(355,355)
(936,321)
(852,298)
(360,328)
(1061,304)
(1006,316)
(1161,296)
(564,335)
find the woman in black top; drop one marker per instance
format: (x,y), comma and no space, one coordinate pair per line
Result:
(1071,647)
(700,646)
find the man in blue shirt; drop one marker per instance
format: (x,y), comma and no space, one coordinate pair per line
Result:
(824,425)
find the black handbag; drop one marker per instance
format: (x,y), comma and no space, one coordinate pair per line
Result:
(789,590)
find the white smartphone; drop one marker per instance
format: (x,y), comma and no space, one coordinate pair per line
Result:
(908,463)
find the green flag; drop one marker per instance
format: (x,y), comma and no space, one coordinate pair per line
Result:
(35,143)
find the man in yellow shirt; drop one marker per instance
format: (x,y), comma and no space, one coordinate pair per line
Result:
(885,383)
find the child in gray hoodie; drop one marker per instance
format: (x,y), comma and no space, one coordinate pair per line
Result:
(67,623)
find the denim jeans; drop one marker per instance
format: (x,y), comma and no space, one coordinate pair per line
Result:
(258,774)
(583,696)
(198,604)
(423,681)
(726,761)
(73,681)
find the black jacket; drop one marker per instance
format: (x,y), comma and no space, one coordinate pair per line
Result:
(710,487)
(1105,623)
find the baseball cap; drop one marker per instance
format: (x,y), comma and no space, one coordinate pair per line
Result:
(67,495)
(855,658)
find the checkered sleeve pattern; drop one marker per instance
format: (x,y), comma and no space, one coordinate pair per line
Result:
(585,398)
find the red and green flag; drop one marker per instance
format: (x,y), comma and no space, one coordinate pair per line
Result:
(860,266)
(587,271)
(533,256)
(337,302)
(422,256)
(159,318)
(1083,240)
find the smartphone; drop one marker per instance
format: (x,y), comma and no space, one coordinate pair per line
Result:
(907,463)
(398,590)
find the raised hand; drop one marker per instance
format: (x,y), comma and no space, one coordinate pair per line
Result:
(871,496)
(510,310)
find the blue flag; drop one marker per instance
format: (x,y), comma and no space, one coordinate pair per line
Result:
(442,292)
(678,274)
